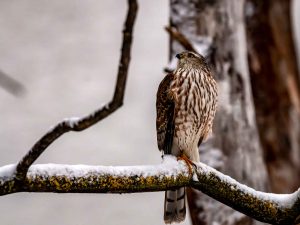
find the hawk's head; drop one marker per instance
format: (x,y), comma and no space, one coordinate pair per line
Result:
(191,60)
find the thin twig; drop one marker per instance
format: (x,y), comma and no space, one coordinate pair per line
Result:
(271,208)
(181,38)
(91,119)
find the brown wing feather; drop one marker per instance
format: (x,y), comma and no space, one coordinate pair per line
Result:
(165,116)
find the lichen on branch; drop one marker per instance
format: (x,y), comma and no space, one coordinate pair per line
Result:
(265,207)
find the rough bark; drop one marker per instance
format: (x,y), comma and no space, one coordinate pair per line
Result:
(234,147)
(275,87)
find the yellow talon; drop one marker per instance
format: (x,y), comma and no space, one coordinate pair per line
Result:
(188,162)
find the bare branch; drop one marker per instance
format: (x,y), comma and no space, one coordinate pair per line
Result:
(179,37)
(265,207)
(11,85)
(80,124)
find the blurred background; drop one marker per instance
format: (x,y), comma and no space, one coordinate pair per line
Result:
(65,53)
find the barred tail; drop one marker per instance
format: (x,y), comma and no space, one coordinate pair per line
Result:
(174,210)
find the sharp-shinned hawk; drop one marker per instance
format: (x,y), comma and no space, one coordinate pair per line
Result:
(186,105)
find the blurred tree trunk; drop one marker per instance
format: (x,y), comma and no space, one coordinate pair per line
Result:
(217,28)
(275,87)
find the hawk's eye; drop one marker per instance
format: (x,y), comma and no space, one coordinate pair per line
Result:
(191,55)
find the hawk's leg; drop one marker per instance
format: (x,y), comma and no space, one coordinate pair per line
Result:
(188,162)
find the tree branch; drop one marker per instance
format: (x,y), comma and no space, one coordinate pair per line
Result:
(180,38)
(265,207)
(79,124)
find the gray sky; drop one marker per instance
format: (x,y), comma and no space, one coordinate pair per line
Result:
(66,54)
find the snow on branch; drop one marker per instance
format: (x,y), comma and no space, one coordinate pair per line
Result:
(265,207)
(79,124)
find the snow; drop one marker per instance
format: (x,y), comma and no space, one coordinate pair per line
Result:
(169,167)
(282,200)
(104,106)
(7,171)
(72,121)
